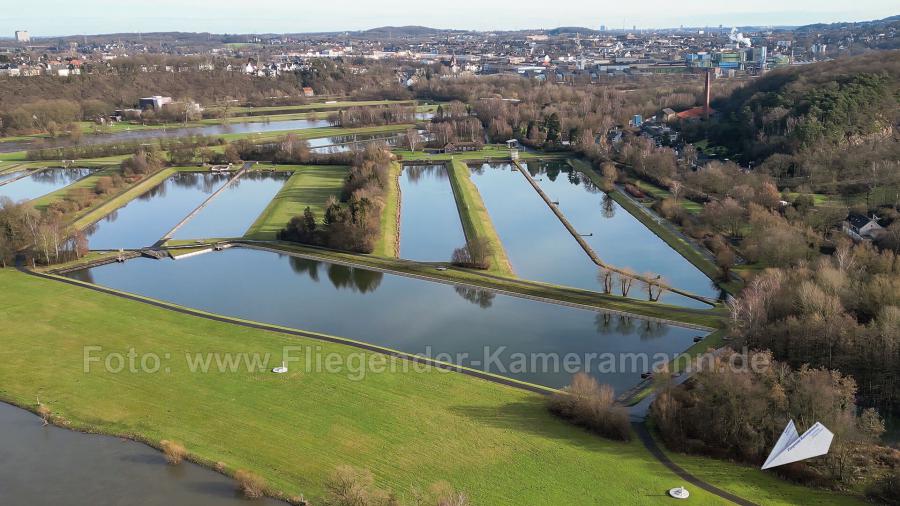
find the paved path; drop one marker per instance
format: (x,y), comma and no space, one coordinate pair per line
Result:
(645,437)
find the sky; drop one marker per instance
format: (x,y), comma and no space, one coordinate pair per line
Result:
(71,17)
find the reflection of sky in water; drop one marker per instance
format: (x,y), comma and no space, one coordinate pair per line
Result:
(411,315)
(429,223)
(232,212)
(540,248)
(41,183)
(144,220)
(618,237)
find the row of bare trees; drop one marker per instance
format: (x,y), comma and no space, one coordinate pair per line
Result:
(42,236)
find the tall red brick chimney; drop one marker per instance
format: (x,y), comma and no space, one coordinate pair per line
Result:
(708,86)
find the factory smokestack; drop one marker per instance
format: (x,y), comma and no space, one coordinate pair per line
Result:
(706,94)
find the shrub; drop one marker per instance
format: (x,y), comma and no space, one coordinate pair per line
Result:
(44,412)
(250,484)
(589,404)
(350,486)
(887,489)
(173,451)
(475,254)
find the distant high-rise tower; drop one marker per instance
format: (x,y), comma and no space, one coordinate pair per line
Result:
(22,36)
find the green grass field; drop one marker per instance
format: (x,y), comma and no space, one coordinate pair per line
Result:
(660,194)
(748,482)
(410,428)
(311,185)
(475,219)
(388,244)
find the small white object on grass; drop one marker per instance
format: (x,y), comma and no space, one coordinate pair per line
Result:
(280,370)
(679,493)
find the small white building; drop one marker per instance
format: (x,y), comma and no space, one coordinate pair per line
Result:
(861,228)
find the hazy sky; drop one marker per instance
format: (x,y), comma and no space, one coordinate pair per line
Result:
(66,17)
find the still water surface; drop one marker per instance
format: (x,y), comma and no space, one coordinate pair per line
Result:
(144,220)
(233,210)
(41,183)
(429,223)
(53,466)
(540,248)
(411,315)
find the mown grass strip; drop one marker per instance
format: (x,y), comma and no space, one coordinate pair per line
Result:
(476,221)
(309,186)
(388,244)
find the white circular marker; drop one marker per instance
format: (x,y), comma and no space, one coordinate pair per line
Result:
(679,493)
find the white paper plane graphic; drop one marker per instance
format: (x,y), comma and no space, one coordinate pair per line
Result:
(792,447)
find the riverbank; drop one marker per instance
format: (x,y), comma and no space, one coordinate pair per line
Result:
(294,429)
(476,221)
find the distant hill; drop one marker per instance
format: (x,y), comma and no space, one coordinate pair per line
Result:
(892,20)
(404,31)
(809,107)
(571,29)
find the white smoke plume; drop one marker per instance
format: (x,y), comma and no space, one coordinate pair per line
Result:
(738,38)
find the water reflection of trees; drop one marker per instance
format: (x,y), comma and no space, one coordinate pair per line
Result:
(623,325)
(340,276)
(609,323)
(60,176)
(609,206)
(481,298)
(305,266)
(357,280)
(414,173)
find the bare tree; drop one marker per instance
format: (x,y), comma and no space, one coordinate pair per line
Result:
(413,139)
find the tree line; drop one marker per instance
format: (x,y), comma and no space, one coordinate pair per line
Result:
(352,221)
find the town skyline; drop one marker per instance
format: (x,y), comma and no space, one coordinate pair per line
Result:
(99,17)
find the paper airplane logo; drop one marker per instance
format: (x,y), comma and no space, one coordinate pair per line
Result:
(792,447)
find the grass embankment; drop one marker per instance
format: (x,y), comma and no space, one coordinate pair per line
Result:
(749,482)
(294,429)
(310,186)
(707,318)
(388,244)
(303,133)
(279,115)
(659,193)
(476,221)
